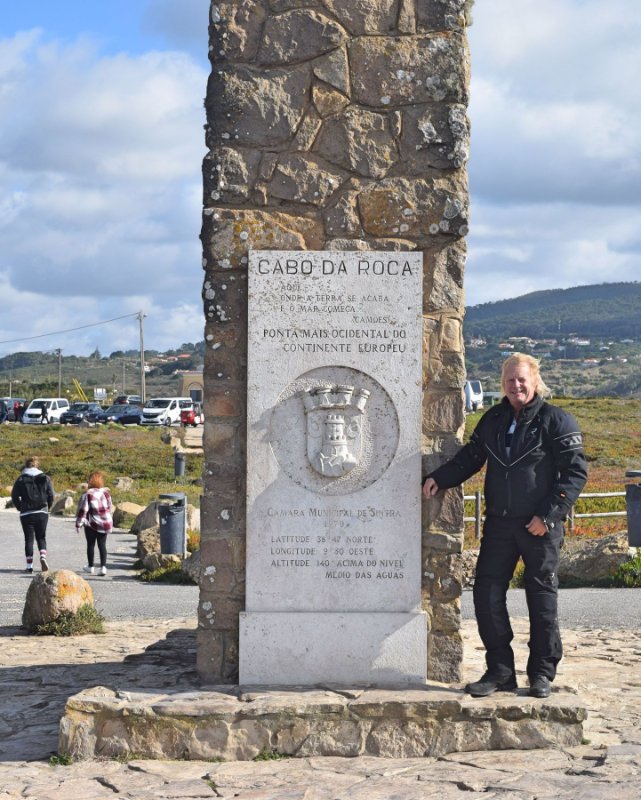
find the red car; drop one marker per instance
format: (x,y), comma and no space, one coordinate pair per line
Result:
(192,416)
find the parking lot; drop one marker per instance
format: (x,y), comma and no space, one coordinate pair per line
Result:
(125,410)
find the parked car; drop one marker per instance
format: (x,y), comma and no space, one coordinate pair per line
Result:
(135,399)
(54,407)
(3,411)
(121,413)
(132,415)
(164,410)
(10,402)
(192,416)
(473,395)
(78,412)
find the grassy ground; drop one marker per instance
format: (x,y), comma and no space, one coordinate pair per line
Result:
(69,453)
(612,437)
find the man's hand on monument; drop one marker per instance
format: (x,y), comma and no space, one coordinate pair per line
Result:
(537,527)
(430,488)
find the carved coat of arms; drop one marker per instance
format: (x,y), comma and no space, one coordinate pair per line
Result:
(335,417)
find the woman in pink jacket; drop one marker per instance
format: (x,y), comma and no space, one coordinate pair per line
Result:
(95,511)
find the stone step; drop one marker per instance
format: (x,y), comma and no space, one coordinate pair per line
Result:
(240,723)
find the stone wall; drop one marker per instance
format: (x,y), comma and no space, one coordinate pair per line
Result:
(331,125)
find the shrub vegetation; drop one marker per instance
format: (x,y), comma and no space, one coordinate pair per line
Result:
(70,452)
(85,620)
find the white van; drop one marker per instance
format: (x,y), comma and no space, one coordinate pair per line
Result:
(164,410)
(473,395)
(54,407)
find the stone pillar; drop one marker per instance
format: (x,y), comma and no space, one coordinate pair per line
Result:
(340,125)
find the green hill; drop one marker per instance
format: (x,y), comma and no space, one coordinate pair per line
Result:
(606,310)
(588,337)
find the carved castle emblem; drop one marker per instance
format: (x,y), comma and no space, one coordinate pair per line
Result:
(335,417)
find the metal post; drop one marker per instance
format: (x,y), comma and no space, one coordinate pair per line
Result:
(633,508)
(571,520)
(477,514)
(59,353)
(141,316)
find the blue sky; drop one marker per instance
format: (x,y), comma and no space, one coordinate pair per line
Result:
(101,143)
(132,26)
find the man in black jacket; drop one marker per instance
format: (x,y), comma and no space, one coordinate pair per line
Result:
(536,469)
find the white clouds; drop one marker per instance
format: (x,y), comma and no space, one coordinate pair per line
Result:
(555,171)
(526,248)
(122,118)
(101,188)
(563,49)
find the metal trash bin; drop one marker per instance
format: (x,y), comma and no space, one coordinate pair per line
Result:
(173,524)
(180,460)
(633,506)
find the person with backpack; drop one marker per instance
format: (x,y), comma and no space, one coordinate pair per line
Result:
(95,511)
(32,495)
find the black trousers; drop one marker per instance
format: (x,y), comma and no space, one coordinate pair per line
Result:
(34,526)
(504,540)
(95,537)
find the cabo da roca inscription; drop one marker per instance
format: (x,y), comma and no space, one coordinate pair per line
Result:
(333,521)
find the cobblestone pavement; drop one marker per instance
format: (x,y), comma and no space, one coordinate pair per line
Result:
(37,674)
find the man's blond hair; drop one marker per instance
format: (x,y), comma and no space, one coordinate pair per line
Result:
(535,368)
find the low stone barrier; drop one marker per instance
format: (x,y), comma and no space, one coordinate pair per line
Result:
(235,723)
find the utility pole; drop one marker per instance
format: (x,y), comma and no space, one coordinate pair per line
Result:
(59,354)
(141,316)
(124,390)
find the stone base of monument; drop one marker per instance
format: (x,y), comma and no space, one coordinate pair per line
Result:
(240,723)
(281,648)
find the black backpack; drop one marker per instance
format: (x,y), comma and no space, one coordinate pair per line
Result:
(34,492)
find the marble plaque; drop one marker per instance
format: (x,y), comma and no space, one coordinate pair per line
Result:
(333,477)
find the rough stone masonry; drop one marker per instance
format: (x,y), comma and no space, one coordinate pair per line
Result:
(332,125)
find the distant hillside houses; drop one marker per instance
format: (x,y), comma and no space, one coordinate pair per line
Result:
(564,347)
(578,341)
(589,337)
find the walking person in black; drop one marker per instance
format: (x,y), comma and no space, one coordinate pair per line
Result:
(44,414)
(32,495)
(536,469)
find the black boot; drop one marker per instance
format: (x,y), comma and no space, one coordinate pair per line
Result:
(490,683)
(540,686)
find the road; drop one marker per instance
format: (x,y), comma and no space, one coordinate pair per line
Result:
(120,595)
(604,609)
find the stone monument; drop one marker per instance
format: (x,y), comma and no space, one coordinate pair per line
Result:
(333,492)
(336,202)
(332,127)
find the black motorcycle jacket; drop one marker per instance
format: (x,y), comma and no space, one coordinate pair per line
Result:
(542,475)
